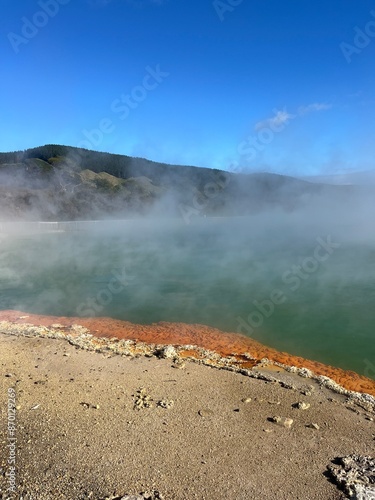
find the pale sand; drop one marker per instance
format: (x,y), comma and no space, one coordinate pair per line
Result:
(208,445)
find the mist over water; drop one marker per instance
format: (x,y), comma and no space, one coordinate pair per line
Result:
(302,282)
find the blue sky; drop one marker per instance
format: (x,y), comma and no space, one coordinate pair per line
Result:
(249,85)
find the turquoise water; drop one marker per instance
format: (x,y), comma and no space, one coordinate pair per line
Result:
(271,279)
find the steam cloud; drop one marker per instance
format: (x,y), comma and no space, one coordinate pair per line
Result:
(212,268)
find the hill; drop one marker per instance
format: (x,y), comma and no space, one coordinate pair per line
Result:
(55,182)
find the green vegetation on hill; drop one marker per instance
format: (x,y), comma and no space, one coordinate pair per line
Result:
(56,182)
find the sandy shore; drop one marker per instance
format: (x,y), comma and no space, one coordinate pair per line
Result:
(242,351)
(97,425)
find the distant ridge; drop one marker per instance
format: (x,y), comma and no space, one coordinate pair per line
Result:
(56,182)
(360,178)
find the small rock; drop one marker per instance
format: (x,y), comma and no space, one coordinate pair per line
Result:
(178,363)
(206,412)
(277,420)
(167,404)
(287,423)
(355,475)
(285,385)
(8,375)
(246,400)
(267,430)
(282,421)
(167,352)
(143,400)
(301,405)
(89,405)
(313,426)
(146,495)
(304,372)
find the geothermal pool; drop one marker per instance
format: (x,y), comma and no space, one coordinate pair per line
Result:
(307,288)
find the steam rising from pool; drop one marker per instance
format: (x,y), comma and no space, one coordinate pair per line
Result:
(297,282)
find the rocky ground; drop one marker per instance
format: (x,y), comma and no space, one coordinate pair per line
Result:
(150,424)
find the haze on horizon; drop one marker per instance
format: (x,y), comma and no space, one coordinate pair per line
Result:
(234,85)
